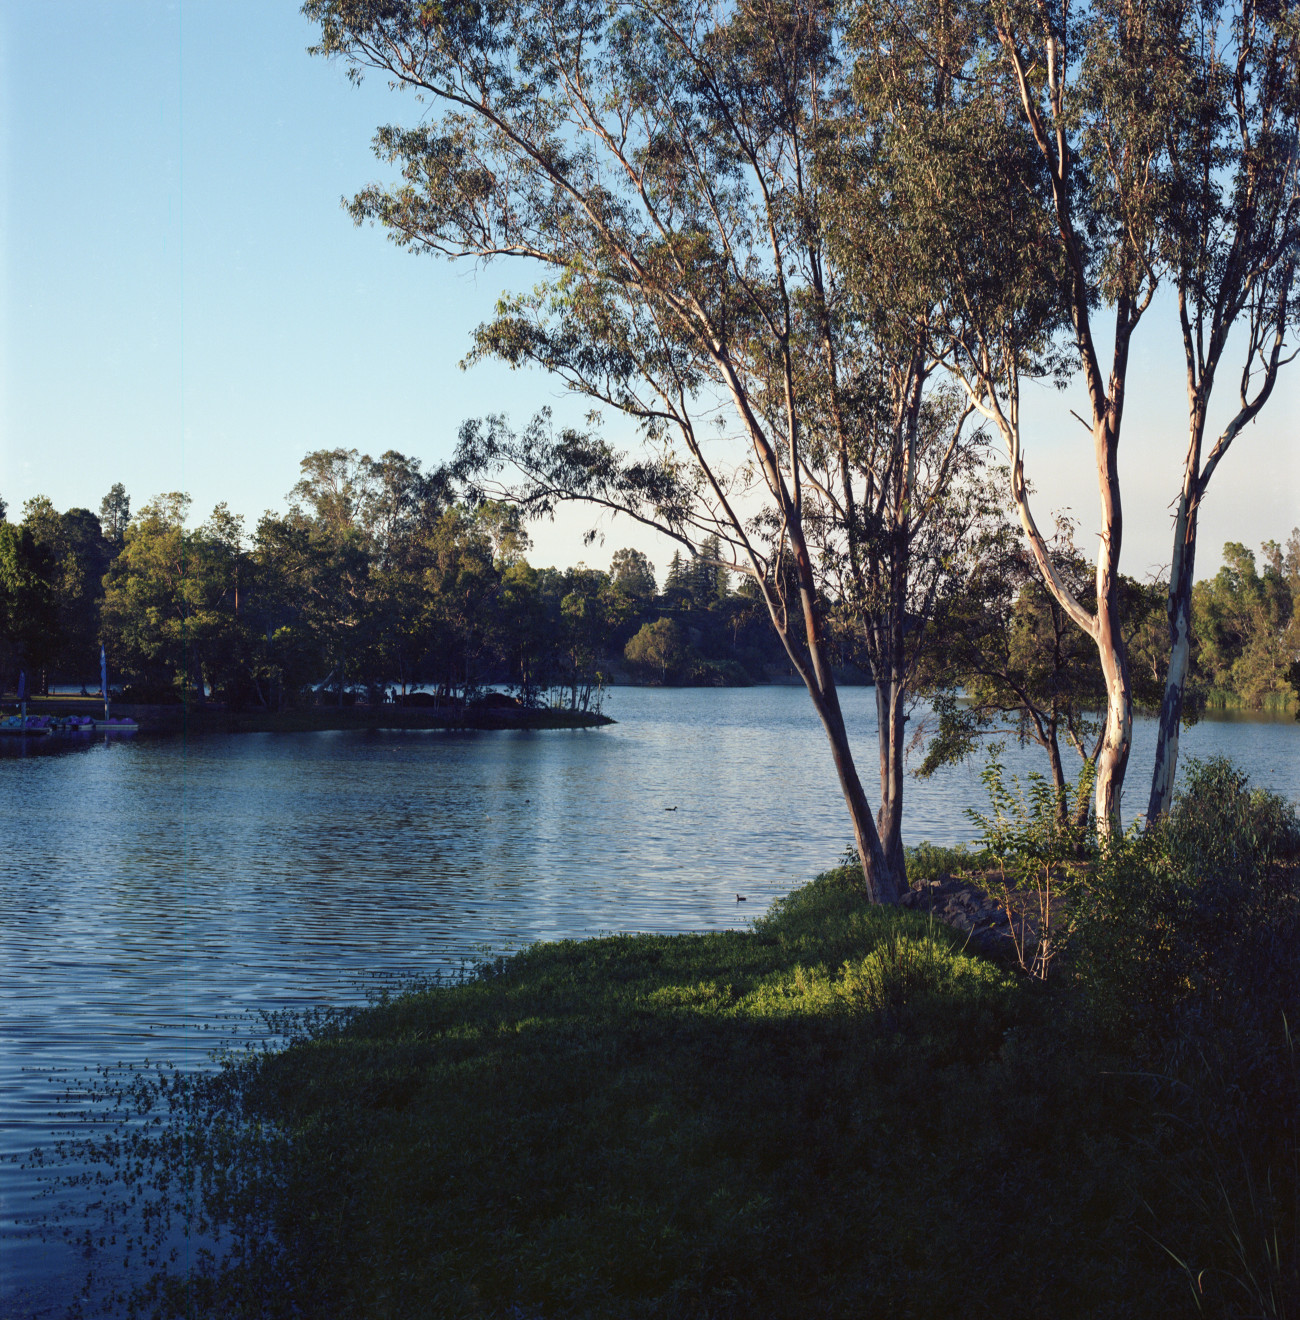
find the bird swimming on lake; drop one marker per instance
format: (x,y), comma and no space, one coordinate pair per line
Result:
(670,808)
(740,898)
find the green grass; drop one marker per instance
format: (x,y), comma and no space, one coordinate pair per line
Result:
(933,861)
(836,1114)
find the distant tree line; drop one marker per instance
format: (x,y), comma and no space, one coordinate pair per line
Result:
(378,579)
(1246,627)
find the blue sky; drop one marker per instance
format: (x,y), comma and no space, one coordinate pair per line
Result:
(184,305)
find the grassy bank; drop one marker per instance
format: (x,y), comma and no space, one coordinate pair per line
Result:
(1279,703)
(838,1113)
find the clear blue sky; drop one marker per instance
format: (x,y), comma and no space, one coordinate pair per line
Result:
(185,305)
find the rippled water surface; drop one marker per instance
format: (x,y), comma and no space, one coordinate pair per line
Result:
(154,888)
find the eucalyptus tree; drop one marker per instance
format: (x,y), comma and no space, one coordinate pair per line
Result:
(1009,660)
(989,169)
(660,164)
(80,555)
(82,590)
(369,524)
(150,597)
(1232,215)
(632,573)
(29,603)
(904,539)
(398,509)
(1058,162)
(467,605)
(292,644)
(592,613)
(333,560)
(115,514)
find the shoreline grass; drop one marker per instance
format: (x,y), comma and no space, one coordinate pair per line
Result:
(837,1113)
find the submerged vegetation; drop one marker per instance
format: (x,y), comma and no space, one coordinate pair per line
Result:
(838,1112)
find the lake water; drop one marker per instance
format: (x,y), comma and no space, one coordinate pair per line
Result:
(156,890)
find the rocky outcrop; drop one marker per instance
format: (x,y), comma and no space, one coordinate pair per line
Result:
(983,919)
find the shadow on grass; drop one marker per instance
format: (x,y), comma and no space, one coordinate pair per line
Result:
(837,1113)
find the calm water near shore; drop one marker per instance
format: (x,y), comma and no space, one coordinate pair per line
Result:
(155,891)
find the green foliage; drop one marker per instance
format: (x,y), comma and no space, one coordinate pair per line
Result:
(1037,836)
(28,603)
(658,650)
(1195,921)
(1184,944)
(632,573)
(932,861)
(170,614)
(1008,659)
(115,514)
(370,578)
(1246,624)
(1032,826)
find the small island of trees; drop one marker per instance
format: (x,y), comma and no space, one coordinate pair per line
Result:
(375,584)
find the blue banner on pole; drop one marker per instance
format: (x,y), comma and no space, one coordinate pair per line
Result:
(103,673)
(22,685)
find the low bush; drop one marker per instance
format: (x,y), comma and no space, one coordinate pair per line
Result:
(1186,942)
(1191,927)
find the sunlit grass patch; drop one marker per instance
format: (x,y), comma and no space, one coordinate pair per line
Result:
(837,1113)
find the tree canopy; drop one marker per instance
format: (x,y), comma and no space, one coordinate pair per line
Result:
(675,175)
(1078,157)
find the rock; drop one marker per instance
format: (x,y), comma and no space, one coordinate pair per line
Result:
(977,915)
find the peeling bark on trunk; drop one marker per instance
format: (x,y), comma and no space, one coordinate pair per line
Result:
(1178,607)
(889,819)
(1117,738)
(1105,626)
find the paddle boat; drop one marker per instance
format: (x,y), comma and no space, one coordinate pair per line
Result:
(27,726)
(75,724)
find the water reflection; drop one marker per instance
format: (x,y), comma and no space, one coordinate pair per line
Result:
(154,886)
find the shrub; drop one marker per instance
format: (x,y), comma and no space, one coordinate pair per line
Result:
(1193,924)
(1222,829)
(1185,941)
(1036,837)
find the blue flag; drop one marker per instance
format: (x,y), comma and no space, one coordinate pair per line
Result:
(103,673)
(22,685)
